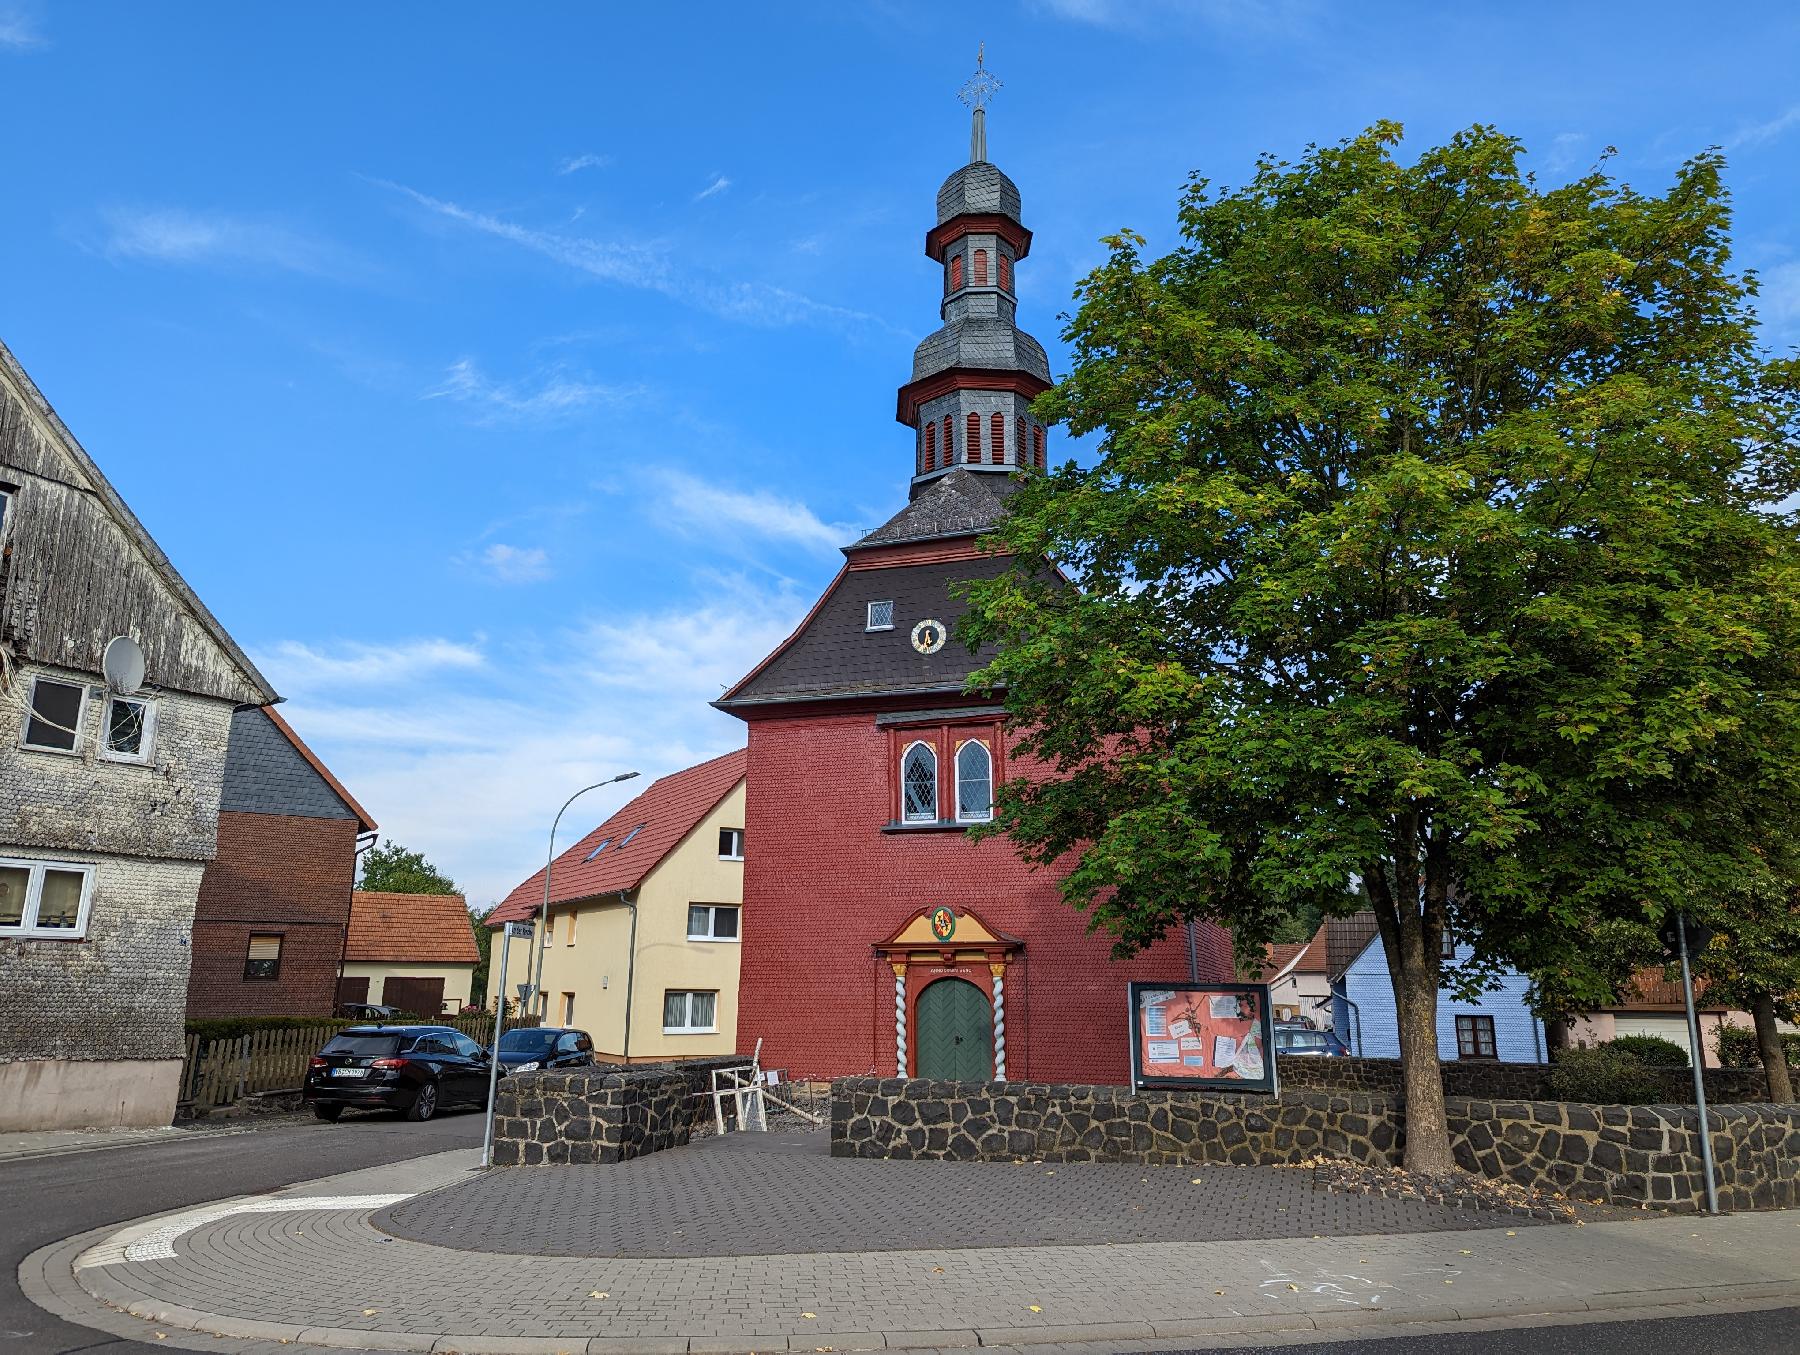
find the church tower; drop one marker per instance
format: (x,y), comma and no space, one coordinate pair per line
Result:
(878,931)
(973,380)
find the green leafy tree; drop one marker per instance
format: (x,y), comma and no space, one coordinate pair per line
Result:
(1755,965)
(484,945)
(1431,527)
(392,869)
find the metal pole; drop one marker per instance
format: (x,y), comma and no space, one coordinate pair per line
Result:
(543,937)
(1693,1021)
(487,1129)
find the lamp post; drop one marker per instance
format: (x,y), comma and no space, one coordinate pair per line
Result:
(544,909)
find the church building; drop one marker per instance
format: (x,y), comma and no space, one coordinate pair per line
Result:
(878,937)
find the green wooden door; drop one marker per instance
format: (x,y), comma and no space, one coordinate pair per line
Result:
(955,1035)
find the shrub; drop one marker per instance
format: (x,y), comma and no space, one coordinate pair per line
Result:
(1604,1075)
(230,1027)
(1737,1048)
(1653,1050)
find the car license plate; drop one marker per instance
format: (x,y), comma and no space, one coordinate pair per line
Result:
(347,1072)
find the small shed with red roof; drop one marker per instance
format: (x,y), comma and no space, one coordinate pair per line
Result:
(411,951)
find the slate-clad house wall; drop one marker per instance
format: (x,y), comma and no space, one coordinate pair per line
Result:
(844,967)
(280,883)
(1372,1028)
(103,838)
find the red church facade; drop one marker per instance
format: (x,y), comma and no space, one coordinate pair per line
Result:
(879,935)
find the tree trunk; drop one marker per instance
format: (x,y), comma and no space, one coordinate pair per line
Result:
(1427,1124)
(1768,1045)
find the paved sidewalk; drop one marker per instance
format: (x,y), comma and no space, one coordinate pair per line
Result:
(306,1266)
(55,1142)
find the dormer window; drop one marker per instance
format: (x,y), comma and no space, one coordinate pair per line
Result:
(880,616)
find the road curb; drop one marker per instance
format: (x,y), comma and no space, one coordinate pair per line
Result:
(48,1278)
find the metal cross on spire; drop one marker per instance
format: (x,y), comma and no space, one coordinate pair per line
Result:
(976,92)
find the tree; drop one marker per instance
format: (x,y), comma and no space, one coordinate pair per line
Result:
(1756,966)
(484,946)
(1431,529)
(394,870)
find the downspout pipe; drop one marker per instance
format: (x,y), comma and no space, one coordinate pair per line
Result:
(630,970)
(1356,1027)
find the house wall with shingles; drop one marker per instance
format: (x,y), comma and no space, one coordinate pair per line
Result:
(1374,1030)
(824,884)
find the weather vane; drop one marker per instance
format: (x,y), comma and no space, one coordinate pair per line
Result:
(976,92)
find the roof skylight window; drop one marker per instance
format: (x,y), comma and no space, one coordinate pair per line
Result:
(633,833)
(604,842)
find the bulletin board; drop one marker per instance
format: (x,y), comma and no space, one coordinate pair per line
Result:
(1217,1036)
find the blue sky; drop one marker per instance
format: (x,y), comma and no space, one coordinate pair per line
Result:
(506,377)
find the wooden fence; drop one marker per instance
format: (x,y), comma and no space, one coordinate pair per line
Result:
(218,1072)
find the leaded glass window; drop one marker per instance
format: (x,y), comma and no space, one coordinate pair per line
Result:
(974,782)
(918,779)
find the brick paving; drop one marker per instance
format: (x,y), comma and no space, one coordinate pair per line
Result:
(782,1194)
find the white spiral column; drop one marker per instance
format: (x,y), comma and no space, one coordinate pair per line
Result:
(999,973)
(899,1020)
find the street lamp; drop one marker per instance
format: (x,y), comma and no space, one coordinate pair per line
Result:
(544,908)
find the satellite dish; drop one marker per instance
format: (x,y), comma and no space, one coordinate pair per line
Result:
(123,664)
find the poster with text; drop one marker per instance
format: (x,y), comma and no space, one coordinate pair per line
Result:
(1212,1035)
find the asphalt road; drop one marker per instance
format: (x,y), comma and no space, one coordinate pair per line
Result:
(48,1198)
(45,1199)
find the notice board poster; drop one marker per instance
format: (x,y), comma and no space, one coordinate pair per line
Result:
(1208,1035)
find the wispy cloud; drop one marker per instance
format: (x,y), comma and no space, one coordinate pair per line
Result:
(1752,134)
(468,765)
(514,564)
(652,267)
(176,235)
(308,668)
(719,185)
(19,31)
(545,396)
(1146,15)
(1565,148)
(697,506)
(576,163)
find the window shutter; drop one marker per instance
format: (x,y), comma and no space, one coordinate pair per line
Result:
(265,948)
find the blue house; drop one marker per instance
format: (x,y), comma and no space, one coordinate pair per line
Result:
(1496,1025)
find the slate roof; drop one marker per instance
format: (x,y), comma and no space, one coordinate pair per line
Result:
(977,189)
(667,811)
(981,342)
(409,929)
(366,824)
(834,655)
(961,503)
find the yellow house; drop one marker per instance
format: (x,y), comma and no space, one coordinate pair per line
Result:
(645,916)
(411,951)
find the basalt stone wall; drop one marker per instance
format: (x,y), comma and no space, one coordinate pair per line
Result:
(1621,1154)
(604,1113)
(1492,1080)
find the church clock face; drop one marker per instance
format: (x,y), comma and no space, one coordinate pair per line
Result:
(929,635)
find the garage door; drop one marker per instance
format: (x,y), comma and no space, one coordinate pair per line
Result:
(1671,1028)
(416,997)
(353,990)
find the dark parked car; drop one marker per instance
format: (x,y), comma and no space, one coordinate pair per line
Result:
(417,1069)
(1295,1040)
(532,1047)
(367,1011)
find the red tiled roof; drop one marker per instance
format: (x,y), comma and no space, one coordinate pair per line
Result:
(1307,957)
(410,929)
(1649,991)
(668,811)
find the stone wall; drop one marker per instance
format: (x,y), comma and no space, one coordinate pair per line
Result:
(1623,1154)
(1495,1080)
(601,1114)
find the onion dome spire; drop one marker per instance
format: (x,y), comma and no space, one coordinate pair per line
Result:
(973,380)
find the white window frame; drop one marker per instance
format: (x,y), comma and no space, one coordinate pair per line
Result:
(712,925)
(690,994)
(987,815)
(739,840)
(869,622)
(34,889)
(937,786)
(31,708)
(146,745)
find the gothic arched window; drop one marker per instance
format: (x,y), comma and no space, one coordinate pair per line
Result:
(955,272)
(997,439)
(918,784)
(930,446)
(981,268)
(974,782)
(1005,271)
(972,451)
